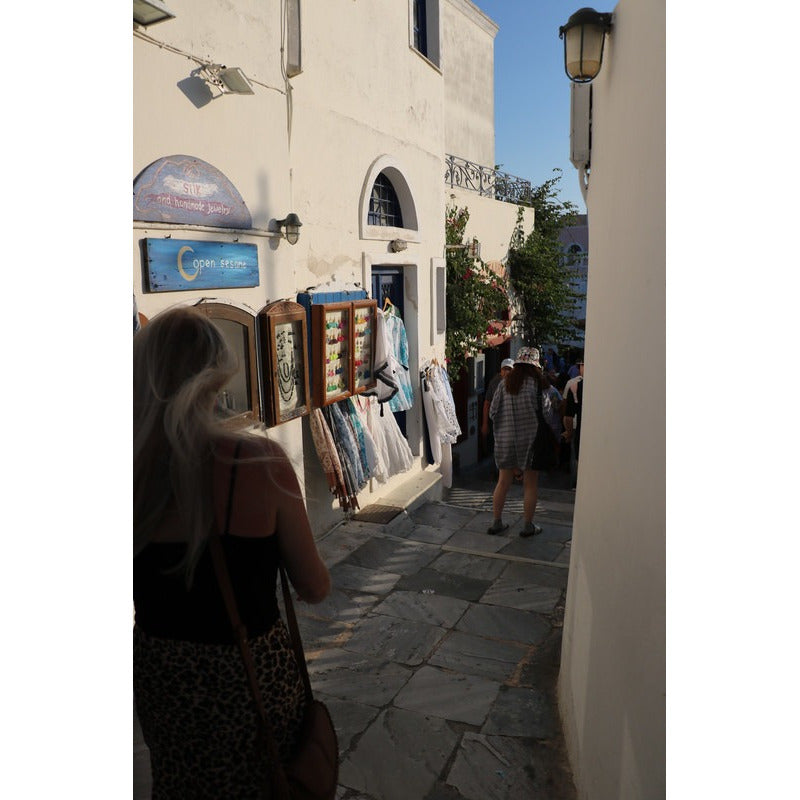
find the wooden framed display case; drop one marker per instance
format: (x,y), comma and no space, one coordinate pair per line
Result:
(364,321)
(238,328)
(331,343)
(283,335)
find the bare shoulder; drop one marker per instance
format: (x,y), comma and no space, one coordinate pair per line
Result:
(248,447)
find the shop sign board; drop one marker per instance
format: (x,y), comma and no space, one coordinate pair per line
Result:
(184,190)
(177,265)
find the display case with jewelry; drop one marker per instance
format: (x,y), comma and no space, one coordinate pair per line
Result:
(331,336)
(364,321)
(283,337)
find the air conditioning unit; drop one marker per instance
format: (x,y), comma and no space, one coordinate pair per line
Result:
(580,134)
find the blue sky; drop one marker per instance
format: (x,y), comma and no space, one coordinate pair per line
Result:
(531,95)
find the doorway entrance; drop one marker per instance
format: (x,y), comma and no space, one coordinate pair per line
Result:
(388,282)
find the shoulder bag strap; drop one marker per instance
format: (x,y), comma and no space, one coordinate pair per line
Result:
(280,787)
(294,633)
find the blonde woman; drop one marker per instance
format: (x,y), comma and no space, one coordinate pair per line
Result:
(196,712)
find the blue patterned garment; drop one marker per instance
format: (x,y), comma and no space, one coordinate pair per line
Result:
(348,444)
(396,334)
(355,424)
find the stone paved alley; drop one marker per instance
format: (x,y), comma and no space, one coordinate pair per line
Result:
(438,651)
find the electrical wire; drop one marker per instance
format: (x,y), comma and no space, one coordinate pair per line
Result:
(202,61)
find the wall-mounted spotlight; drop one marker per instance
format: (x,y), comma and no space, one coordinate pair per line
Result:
(229,80)
(584,36)
(148,12)
(397,245)
(291,225)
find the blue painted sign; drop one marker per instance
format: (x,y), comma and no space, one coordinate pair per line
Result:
(186,190)
(178,265)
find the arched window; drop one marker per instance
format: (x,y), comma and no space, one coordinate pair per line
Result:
(384,206)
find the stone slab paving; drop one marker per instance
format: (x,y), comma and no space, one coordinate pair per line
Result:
(507,768)
(477,655)
(522,712)
(508,624)
(431,581)
(441,515)
(508,592)
(448,695)
(536,575)
(341,605)
(397,557)
(398,640)
(411,748)
(353,676)
(360,579)
(431,608)
(564,555)
(469,566)
(477,540)
(318,633)
(533,547)
(335,547)
(430,534)
(350,719)
(439,666)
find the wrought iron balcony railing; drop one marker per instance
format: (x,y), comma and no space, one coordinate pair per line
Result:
(486,182)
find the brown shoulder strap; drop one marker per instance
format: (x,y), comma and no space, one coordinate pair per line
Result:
(279,788)
(294,633)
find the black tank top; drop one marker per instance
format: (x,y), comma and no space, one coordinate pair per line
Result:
(166,608)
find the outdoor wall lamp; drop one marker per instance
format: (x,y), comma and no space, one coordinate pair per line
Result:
(397,245)
(584,36)
(291,225)
(472,248)
(148,12)
(229,80)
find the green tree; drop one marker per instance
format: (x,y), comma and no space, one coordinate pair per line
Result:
(540,274)
(475,296)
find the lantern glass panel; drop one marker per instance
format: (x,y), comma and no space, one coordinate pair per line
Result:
(583,51)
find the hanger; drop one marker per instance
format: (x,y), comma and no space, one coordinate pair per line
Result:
(387,303)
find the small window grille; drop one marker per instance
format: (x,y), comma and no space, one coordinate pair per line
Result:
(384,207)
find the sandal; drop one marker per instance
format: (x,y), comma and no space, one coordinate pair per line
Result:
(492,529)
(530,531)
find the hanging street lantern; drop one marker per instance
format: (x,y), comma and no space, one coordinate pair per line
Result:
(584,36)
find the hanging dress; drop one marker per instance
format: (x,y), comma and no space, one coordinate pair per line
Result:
(398,341)
(328,456)
(375,464)
(389,440)
(386,365)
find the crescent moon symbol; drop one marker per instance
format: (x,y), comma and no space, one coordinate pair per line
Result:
(182,271)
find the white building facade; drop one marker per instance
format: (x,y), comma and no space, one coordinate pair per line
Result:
(612,679)
(344,95)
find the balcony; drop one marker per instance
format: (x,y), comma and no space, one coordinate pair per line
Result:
(463,174)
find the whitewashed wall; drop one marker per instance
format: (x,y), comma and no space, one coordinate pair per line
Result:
(364,98)
(490,221)
(612,681)
(468,68)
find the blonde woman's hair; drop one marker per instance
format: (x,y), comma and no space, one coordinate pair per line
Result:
(180,362)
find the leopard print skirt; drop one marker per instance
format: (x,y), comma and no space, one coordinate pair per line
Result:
(198,717)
